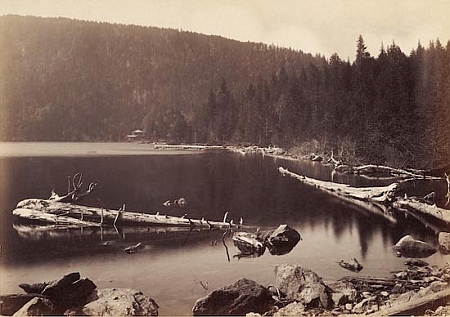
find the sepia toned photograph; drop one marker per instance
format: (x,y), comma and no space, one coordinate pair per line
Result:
(224,158)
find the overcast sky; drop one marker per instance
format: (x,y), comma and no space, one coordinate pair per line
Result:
(313,26)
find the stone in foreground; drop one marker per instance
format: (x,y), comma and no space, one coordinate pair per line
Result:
(120,302)
(240,298)
(302,285)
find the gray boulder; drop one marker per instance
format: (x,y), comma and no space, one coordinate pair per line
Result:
(240,298)
(119,302)
(409,247)
(444,242)
(302,285)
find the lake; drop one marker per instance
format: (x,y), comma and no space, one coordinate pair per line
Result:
(177,267)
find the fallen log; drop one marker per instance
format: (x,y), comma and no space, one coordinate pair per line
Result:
(414,205)
(373,199)
(379,170)
(405,308)
(55,212)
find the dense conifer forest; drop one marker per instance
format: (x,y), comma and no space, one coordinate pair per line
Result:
(69,80)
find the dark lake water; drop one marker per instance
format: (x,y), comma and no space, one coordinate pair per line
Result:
(173,263)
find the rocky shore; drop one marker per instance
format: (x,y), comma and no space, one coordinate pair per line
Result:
(71,295)
(298,291)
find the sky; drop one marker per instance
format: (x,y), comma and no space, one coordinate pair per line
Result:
(313,26)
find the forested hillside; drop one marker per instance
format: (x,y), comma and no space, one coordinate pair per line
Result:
(68,80)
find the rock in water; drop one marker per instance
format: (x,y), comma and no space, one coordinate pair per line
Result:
(282,240)
(120,302)
(240,298)
(409,247)
(444,242)
(302,285)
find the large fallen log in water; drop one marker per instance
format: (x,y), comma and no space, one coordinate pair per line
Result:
(373,199)
(413,205)
(55,212)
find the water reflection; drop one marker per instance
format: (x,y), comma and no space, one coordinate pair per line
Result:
(212,183)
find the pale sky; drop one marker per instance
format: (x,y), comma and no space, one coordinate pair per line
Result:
(313,26)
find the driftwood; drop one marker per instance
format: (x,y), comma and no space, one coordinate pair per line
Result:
(379,170)
(75,194)
(405,308)
(413,205)
(55,212)
(373,199)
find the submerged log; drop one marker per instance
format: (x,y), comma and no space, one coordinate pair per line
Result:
(55,212)
(373,199)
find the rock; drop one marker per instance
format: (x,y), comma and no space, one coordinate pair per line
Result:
(349,306)
(282,240)
(37,307)
(75,294)
(384,294)
(444,242)
(293,309)
(54,288)
(34,288)
(363,305)
(302,285)
(120,302)
(248,244)
(353,265)
(253,315)
(240,298)
(409,247)
(343,292)
(415,262)
(9,304)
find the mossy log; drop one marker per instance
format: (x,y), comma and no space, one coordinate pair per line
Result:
(373,199)
(55,212)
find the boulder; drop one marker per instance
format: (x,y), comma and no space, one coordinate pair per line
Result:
(54,288)
(302,285)
(120,302)
(36,288)
(343,293)
(444,242)
(282,240)
(240,298)
(409,247)
(38,306)
(9,304)
(75,294)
